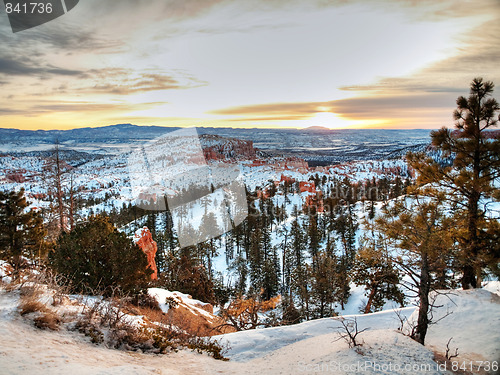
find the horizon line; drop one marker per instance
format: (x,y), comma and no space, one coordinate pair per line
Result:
(318,127)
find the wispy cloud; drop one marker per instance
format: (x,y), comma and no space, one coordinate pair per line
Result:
(45,107)
(20,66)
(357,108)
(478,56)
(124,82)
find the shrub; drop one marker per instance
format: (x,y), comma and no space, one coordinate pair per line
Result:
(246,313)
(144,300)
(48,320)
(32,306)
(105,323)
(96,257)
(44,317)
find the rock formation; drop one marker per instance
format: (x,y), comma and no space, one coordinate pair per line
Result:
(189,314)
(220,148)
(144,240)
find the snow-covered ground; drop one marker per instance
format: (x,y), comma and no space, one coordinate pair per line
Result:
(311,348)
(27,350)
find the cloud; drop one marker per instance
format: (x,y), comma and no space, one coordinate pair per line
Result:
(8,111)
(69,38)
(390,106)
(58,36)
(21,67)
(271,109)
(45,107)
(125,81)
(118,81)
(353,108)
(269,118)
(478,56)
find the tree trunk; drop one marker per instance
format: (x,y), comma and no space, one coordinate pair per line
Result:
(373,292)
(470,268)
(471,265)
(59,192)
(423,294)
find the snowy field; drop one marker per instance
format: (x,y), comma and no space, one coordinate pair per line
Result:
(312,347)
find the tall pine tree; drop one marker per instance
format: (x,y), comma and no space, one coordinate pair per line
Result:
(476,165)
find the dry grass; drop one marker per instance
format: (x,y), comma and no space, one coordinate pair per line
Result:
(29,306)
(107,321)
(48,320)
(32,289)
(43,316)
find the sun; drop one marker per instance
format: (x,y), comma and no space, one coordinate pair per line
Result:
(328,120)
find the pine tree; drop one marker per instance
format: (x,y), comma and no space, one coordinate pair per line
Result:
(286,259)
(345,226)
(476,164)
(299,275)
(313,235)
(256,260)
(239,268)
(96,256)
(21,233)
(62,189)
(270,276)
(324,286)
(207,248)
(374,269)
(186,274)
(421,232)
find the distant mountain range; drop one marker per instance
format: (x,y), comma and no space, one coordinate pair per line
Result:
(119,132)
(318,145)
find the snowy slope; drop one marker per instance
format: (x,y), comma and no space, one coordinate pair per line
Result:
(27,350)
(473,322)
(311,347)
(247,345)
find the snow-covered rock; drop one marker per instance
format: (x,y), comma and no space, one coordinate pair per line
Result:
(189,314)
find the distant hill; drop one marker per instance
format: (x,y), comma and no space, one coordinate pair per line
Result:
(318,128)
(110,133)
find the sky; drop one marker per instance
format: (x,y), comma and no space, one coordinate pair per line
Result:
(248,63)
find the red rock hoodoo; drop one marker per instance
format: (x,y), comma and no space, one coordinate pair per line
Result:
(144,240)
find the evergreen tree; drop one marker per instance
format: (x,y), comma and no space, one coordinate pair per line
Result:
(324,286)
(299,274)
(345,226)
(186,274)
(421,232)
(476,164)
(270,276)
(95,255)
(374,269)
(240,269)
(286,260)
(256,260)
(21,233)
(313,235)
(290,314)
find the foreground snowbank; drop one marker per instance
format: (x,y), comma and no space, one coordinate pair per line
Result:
(247,345)
(309,348)
(472,319)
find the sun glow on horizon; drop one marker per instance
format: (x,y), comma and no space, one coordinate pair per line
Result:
(332,120)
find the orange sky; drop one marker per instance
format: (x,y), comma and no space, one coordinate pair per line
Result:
(252,63)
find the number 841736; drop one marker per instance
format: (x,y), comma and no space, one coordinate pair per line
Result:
(27,8)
